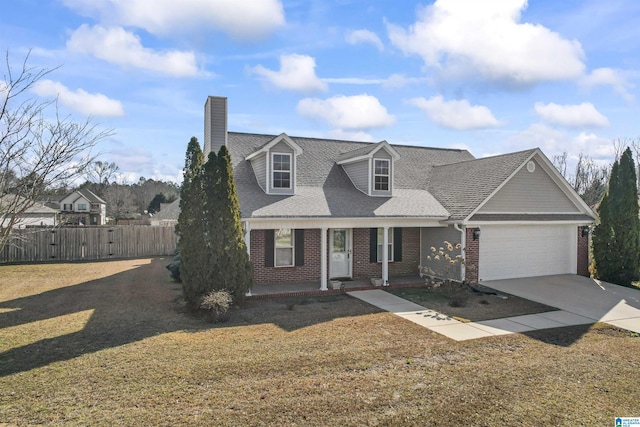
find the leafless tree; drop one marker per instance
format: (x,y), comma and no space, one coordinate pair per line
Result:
(120,201)
(39,149)
(100,172)
(589,179)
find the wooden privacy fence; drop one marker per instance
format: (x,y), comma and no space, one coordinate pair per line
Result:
(88,243)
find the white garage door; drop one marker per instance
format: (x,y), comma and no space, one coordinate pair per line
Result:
(511,251)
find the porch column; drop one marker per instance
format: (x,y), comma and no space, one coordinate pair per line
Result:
(247,243)
(323,259)
(247,237)
(385,256)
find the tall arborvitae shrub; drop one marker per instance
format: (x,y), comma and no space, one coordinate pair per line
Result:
(190,227)
(616,240)
(236,271)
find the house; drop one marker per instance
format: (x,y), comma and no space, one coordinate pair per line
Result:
(168,215)
(318,209)
(84,207)
(37,215)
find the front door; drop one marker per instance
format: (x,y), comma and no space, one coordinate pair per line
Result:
(340,258)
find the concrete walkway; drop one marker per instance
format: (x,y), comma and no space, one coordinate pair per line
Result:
(460,331)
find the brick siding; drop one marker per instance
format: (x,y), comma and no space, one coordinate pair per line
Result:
(583,253)
(310,271)
(472,256)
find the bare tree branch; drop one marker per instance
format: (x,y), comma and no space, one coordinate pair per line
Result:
(36,152)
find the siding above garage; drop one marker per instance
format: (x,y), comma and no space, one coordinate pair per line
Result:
(531,192)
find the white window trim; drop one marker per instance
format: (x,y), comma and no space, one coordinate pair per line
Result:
(273,171)
(379,245)
(388,174)
(292,247)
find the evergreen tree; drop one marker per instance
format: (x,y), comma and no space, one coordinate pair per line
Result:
(190,226)
(154,205)
(235,272)
(616,240)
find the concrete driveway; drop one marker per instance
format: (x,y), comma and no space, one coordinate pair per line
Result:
(600,301)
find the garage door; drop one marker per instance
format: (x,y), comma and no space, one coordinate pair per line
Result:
(512,251)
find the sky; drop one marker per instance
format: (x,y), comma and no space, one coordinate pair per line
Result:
(492,76)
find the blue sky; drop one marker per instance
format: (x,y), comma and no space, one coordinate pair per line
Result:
(491,76)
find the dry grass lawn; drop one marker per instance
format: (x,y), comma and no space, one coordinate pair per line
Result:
(107,344)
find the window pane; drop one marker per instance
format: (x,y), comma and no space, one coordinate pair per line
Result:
(382,167)
(281,162)
(283,237)
(382,183)
(284,257)
(389,241)
(339,241)
(281,180)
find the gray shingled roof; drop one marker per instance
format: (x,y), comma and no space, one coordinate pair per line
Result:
(462,186)
(323,189)
(90,196)
(169,212)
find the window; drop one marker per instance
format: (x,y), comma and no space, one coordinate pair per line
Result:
(284,247)
(381,175)
(82,206)
(95,206)
(67,207)
(390,244)
(281,171)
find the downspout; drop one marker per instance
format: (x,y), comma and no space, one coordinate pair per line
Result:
(463,245)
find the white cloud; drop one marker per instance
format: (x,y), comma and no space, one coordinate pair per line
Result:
(95,104)
(365,36)
(236,18)
(395,81)
(555,142)
(573,116)
(297,72)
(486,40)
(457,114)
(347,112)
(609,77)
(346,135)
(118,46)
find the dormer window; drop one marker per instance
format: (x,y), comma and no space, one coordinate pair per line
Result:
(281,175)
(381,175)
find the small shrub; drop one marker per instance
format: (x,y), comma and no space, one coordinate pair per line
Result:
(217,304)
(459,300)
(174,268)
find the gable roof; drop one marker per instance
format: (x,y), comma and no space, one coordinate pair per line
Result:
(323,188)
(366,152)
(461,187)
(90,196)
(283,137)
(169,212)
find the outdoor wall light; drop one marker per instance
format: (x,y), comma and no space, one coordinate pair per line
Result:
(585,231)
(476,234)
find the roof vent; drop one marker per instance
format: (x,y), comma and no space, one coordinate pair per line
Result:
(531,166)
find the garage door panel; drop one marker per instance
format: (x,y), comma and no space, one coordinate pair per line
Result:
(526,250)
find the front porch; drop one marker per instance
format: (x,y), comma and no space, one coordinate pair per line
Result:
(309,288)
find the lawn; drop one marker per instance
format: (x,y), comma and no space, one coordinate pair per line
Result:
(109,344)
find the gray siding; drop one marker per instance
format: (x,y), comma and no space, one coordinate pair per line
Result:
(530,192)
(259,166)
(435,237)
(283,148)
(215,124)
(359,174)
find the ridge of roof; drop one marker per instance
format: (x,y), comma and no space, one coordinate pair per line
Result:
(346,141)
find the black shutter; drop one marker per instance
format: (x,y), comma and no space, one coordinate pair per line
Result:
(269,242)
(397,244)
(299,247)
(373,245)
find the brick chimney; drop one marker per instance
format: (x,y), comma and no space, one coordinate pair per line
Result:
(215,124)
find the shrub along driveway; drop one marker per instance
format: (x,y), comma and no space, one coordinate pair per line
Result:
(107,344)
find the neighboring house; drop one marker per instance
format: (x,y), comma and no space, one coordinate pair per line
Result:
(36,215)
(316,209)
(168,215)
(84,207)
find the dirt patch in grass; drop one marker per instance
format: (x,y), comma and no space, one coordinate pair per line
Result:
(107,344)
(463,304)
